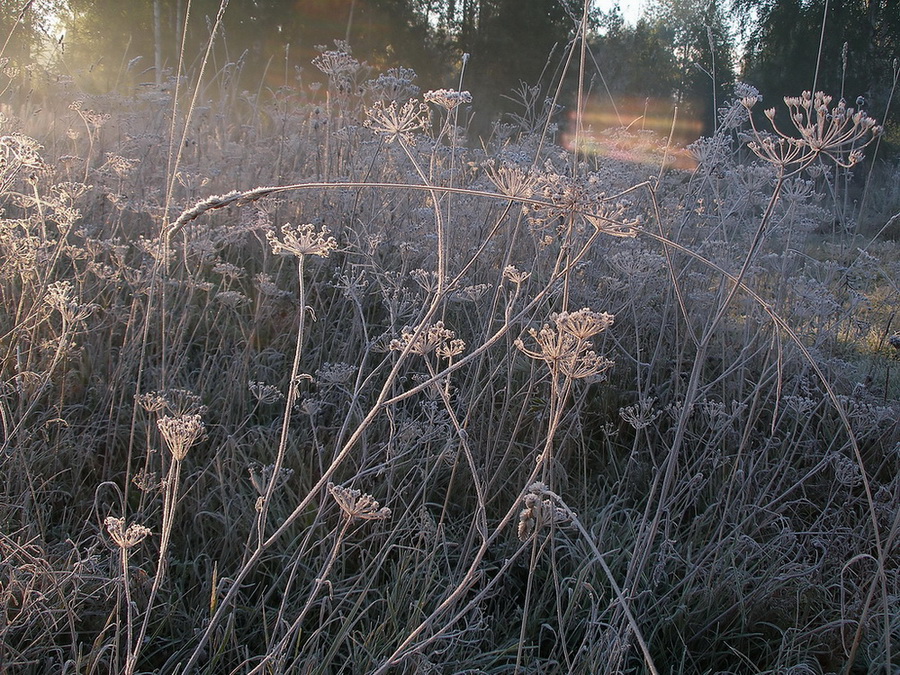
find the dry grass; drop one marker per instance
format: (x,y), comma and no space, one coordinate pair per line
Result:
(377,419)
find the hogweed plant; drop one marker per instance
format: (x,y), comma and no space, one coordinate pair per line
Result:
(126,539)
(354,506)
(299,242)
(179,433)
(565,348)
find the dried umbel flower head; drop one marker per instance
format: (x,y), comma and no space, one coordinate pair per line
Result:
(232,299)
(260,476)
(515,275)
(581,198)
(147,481)
(355,504)
(427,280)
(175,401)
(451,349)
(125,538)
(268,287)
(640,415)
(228,270)
(430,338)
(837,132)
(264,393)
(540,511)
(336,62)
(121,166)
(152,401)
(448,99)
(19,153)
(471,293)
(565,347)
(180,433)
(335,373)
(59,296)
(69,192)
(512,181)
(397,123)
(310,406)
(582,323)
(394,85)
(302,240)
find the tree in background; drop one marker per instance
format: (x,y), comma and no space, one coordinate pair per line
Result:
(268,38)
(509,42)
(634,60)
(105,36)
(636,74)
(23,29)
(680,53)
(697,33)
(860,41)
(384,33)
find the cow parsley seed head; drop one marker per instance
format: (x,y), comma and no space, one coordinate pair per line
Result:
(397,123)
(430,338)
(260,476)
(335,373)
(264,393)
(448,99)
(180,433)
(640,415)
(565,347)
(302,240)
(59,296)
(122,537)
(583,323)
(515,275)
(336,62)
(512,181)
(355,504)
(837,132)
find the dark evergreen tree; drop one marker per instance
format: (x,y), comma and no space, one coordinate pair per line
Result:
(860,41)
(700,40)
(268,38)
(509,42)
(637,76)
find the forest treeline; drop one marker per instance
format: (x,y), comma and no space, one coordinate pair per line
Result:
(684,52)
